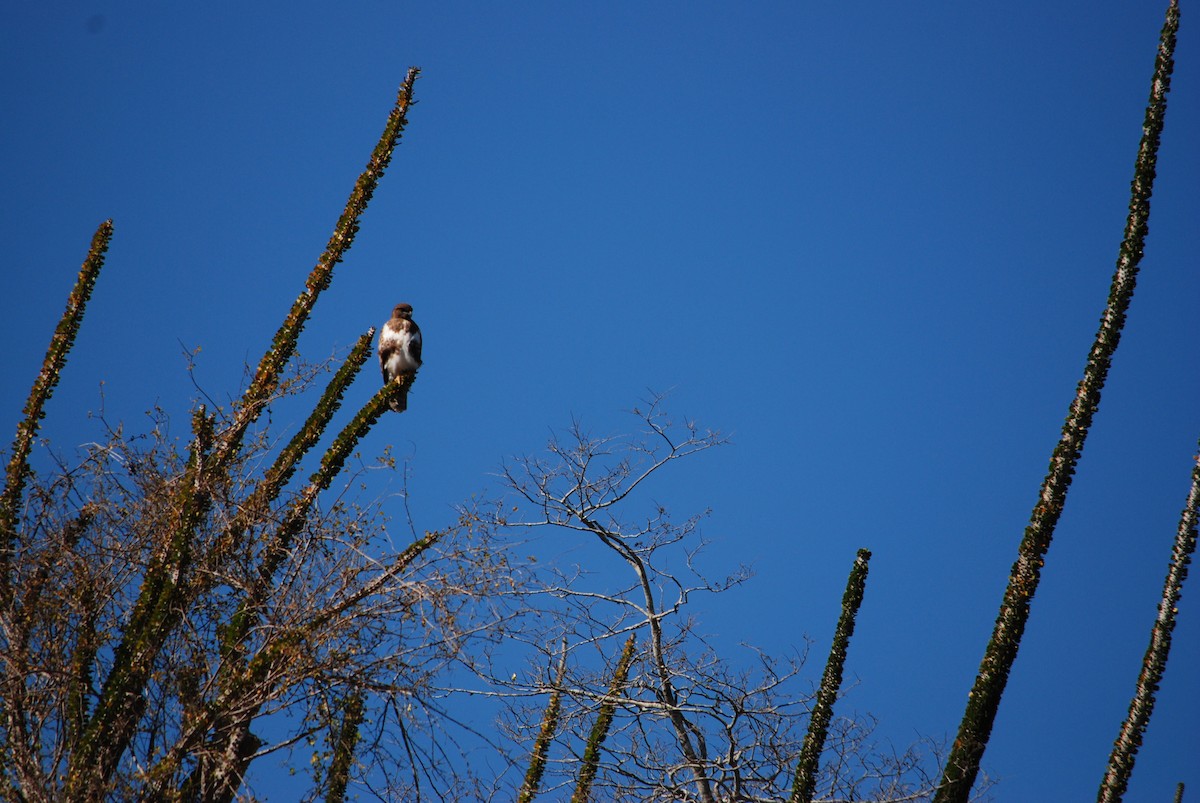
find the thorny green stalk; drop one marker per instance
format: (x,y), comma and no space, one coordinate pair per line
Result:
(224,764)
(281,471)
(43,387)
(248,687)
(805,785)
(343,751)
(1154,664)
(693,750)
(541,746)
(108,731)
(962,765)
(283,346)
(604,718)
(159,605)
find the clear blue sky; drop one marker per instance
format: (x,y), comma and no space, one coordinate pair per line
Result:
(870,240)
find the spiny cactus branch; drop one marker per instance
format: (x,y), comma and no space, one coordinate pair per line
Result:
(43,387)
(541,746)
(283,346)
(805,785)
(604,719)
(1154,664)
(962,765)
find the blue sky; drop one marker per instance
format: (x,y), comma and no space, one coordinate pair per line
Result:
(871,241)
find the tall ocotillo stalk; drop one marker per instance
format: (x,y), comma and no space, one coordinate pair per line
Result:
(15,755)
(805,785)
(256,507)
(591,753)
(343,749)
(223,764)
(283,346)
(226,757)
(541,745)
(962,766)
(43,387)
(267,490)
(160,603)
(1129,739)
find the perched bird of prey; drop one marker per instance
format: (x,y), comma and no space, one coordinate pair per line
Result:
(400,350)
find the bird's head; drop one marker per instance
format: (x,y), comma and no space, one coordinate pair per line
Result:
(402,311)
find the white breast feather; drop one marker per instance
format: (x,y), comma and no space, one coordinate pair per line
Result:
(400,358)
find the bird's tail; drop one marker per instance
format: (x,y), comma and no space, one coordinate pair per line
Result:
(400,403)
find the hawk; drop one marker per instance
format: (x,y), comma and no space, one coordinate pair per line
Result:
(400,350)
